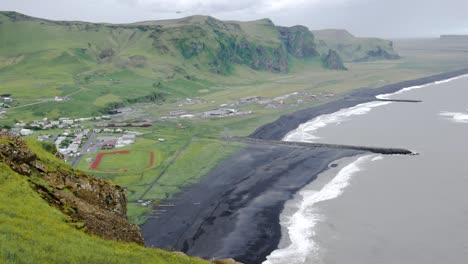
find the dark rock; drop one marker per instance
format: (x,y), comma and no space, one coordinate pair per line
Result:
(299,41)
(333,61)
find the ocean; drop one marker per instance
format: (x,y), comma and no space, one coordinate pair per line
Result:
(386,209)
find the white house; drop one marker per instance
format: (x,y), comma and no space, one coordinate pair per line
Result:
(26,132)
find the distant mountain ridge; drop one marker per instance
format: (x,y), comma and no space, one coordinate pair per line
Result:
(354,49)
(458,38)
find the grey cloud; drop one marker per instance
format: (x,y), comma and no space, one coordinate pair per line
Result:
(396,18)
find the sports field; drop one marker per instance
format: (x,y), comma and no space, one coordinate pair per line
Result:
(123,161)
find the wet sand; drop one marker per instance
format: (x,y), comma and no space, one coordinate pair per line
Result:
(234,211)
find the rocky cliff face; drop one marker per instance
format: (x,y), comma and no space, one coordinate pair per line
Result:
(299,41)
(96,206)
(354,49)
(258,44)
(333,61)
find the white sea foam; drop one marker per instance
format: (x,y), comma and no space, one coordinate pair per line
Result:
(380,157)
(388,96)
(301,224)
(451,79)
(305,132)
(456,117)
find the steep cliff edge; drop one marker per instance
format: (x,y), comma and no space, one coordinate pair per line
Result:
(96,206)
(332,60)
(299,41)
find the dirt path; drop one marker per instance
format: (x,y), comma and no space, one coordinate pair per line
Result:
(176,156)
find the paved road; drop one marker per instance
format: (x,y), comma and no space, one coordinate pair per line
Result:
(91,139)
(47,100)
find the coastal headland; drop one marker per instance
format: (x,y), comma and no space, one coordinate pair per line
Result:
(234,211)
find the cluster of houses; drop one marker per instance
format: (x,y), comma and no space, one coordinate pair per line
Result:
(216,113)
(69,144)
(6,100)
(62,123)
(126,139)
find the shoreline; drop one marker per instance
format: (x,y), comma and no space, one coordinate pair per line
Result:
(286,123)
(233,212)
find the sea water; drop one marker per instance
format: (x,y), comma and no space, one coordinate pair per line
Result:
(386,209)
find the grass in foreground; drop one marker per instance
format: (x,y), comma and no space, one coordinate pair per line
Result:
(33,232)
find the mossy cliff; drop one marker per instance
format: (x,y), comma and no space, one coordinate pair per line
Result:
(96,206)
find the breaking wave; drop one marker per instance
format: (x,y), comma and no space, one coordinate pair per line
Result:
(456,117)
(301,224)
(305,132)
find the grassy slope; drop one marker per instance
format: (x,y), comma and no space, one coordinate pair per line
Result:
(42,59)
(33,232)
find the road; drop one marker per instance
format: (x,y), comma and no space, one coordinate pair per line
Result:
(47,100)
(165,169)
(82,150)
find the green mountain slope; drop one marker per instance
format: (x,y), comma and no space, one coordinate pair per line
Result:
(100,63)
(101,66)
(352,48)
(32,231)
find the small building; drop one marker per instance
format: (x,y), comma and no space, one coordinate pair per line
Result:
(73,147)
(68,122)
(7,99)
(26,132)
(108,145)
(113,112)
(129,138)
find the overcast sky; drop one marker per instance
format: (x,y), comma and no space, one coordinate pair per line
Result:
(381,18)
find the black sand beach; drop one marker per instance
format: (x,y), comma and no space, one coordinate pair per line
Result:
(234,211)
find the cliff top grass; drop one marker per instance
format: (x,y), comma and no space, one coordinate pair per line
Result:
(34,232)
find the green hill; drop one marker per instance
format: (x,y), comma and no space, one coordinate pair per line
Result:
(96,65)
(44,221)
(351,48)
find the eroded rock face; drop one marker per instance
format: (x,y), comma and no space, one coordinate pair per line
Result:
(96,206)
(299,41)
(333,61)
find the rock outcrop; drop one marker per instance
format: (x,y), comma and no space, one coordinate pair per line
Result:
(299,41)
(354,49)
(332,60)
(96,206)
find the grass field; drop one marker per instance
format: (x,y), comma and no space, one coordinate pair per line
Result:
(187,155)
(123,161)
